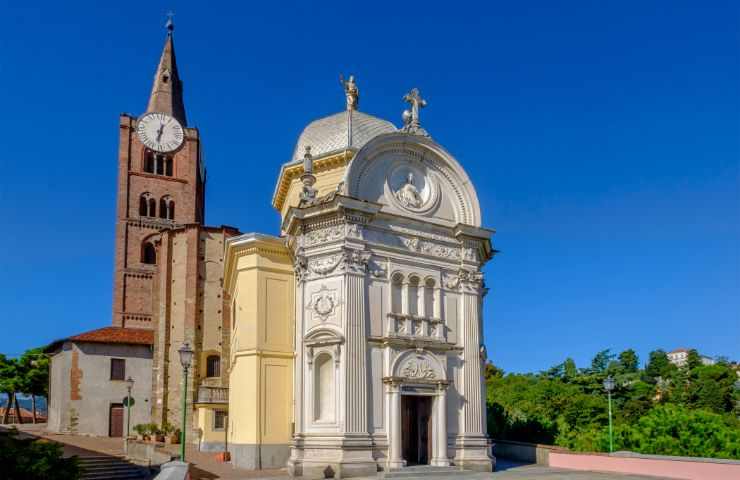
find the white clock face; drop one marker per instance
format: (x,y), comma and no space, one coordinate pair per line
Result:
(160,132)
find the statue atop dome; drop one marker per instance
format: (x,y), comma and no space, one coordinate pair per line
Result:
(351,91)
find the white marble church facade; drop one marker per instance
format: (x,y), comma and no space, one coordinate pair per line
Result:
(388,323)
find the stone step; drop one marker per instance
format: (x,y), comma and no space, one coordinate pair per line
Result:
(109,467)
(422,471)
(96,460)
(116,466)
(114,476)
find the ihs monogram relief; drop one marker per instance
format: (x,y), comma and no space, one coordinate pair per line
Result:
(418,368)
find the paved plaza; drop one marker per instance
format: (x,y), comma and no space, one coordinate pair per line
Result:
(205,467)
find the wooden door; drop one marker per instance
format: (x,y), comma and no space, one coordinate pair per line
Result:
(416,417)
(115,426)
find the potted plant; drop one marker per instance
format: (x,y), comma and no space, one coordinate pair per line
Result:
(152,431)
(143,430)
(175,436)
(159,433)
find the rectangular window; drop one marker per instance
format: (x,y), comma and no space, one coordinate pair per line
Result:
(117,369)
(219,419)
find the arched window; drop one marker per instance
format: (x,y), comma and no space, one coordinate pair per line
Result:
(413,296)
(160,164)
(324,388)
(167,208)
(152,207)
(149,254)
(163,207)
(429,298)
(213,366)
(168,166)
(396,293)
(149,161)
(147,205)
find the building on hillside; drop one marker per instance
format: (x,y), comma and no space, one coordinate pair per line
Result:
(88,375)
(679,357)
(375,336)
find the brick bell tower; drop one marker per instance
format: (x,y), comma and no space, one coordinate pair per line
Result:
(161,184)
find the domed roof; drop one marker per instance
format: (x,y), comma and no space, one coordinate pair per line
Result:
(338,132)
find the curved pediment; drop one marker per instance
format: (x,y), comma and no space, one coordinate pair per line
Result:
(418,364)
(412,175)
(323,335)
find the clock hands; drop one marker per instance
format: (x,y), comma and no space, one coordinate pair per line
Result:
(159,132)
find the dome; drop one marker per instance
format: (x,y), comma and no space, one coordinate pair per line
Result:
(338,132)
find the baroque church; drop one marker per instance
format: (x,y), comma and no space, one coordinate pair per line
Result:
(348,343)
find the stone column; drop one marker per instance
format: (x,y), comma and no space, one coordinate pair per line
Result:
(356,380)
(440,455)
(394,428)
(472,446)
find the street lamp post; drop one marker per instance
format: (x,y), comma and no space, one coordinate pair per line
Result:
(129,386)
(609,386)
(186,357)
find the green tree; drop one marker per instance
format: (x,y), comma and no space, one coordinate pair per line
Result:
(35,367)
(658,366)
(712,387)
(629,361)
(675,430)
(491,371)
(693,360)
(10,381)
(601,361)
(570,370)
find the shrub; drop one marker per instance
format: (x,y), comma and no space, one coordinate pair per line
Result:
(27,459)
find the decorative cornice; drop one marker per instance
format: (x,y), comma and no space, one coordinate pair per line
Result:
(158,177)
(249,244)
(289,172)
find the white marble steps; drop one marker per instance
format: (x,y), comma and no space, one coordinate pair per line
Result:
(422,471)
(109,467)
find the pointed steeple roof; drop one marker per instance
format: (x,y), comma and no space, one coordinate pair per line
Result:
(166,96)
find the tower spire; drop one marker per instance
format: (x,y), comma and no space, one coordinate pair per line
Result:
(166,96)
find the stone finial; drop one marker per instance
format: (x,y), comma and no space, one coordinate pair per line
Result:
(308,161)
(308,194)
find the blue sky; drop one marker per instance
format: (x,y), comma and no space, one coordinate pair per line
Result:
(602,138)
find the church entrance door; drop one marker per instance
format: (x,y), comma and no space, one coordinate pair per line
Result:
(416,418)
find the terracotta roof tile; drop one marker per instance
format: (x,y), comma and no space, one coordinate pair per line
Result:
(131,336)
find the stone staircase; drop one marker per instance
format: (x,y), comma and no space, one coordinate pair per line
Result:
(104,467)
(426,472)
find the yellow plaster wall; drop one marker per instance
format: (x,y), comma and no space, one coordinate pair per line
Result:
(205,423)
(260,396)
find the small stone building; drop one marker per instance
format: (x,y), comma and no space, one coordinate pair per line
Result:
(88,381)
